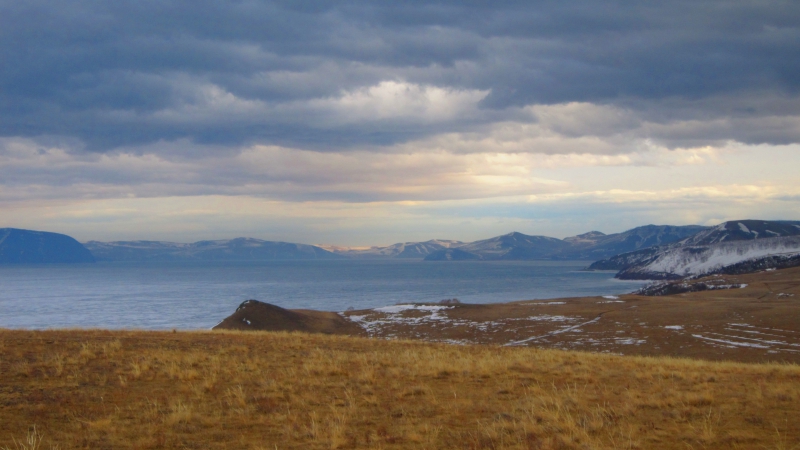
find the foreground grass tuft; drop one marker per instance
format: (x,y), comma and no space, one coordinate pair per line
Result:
(33,441)
(101,389)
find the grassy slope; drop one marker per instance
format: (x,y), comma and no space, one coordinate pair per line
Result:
(100,389)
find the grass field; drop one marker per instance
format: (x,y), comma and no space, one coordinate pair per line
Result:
(258,390)
(757,323)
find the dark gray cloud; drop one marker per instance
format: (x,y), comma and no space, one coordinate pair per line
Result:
(127,73)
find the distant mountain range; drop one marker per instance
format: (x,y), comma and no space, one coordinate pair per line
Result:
(240,249)
(411,250)
(513,246)
(588,246)
(40,247)
(732,247)
(651,251)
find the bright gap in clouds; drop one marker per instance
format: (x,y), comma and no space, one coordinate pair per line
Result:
(368,198)
(364,123)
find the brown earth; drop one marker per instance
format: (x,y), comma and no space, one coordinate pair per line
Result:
(758,323)
(254,315)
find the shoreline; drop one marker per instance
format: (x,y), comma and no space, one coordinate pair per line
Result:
(755,323)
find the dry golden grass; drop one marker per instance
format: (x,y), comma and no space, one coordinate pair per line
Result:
(101,389)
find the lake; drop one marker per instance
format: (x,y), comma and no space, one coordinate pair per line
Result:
(199,295)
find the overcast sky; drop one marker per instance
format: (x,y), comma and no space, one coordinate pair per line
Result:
(363,123)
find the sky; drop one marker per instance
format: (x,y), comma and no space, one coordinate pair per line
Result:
(368,123)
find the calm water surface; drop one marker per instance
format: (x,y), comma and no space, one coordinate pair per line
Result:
(199,295)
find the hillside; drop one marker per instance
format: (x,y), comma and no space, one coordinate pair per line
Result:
(721,257)
(221,390)
(599,246)
(745,230)
(588,246)
(709,251)
(512,246)
(40,247)
(256,315)
(240,249)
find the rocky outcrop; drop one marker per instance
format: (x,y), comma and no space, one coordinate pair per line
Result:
(253,315)
(682,287)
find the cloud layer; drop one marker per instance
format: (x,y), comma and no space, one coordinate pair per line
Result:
(358,102)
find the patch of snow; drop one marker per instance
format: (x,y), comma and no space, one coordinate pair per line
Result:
(744,228)
(629,341)
(547,318)
(611,297)
(730,343)
(394,309)
(552,333)
(674,327)
(760,341)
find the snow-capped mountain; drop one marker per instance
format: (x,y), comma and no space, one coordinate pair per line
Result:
(744,243)
(595,245)
(692,260)
(587,246)
(744,230)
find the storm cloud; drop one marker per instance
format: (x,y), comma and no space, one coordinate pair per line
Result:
(363,101)
(315,74)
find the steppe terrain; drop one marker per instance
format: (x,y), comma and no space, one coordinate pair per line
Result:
(280,390)
(734,384)
(759,322)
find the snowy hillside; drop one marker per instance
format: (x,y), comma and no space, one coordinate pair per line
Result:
(731,231)
(679,261)
(744,230)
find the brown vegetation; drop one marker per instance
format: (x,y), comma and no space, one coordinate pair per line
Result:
(101,389)
(759,323)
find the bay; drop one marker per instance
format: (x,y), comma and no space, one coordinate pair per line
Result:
(198,295)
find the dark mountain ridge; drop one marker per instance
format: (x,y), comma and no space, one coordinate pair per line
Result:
(588,246)
(40,247)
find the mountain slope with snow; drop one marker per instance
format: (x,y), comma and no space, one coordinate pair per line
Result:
(731,231)
(745,230)
(587,246)
(595,245)
(692,260)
